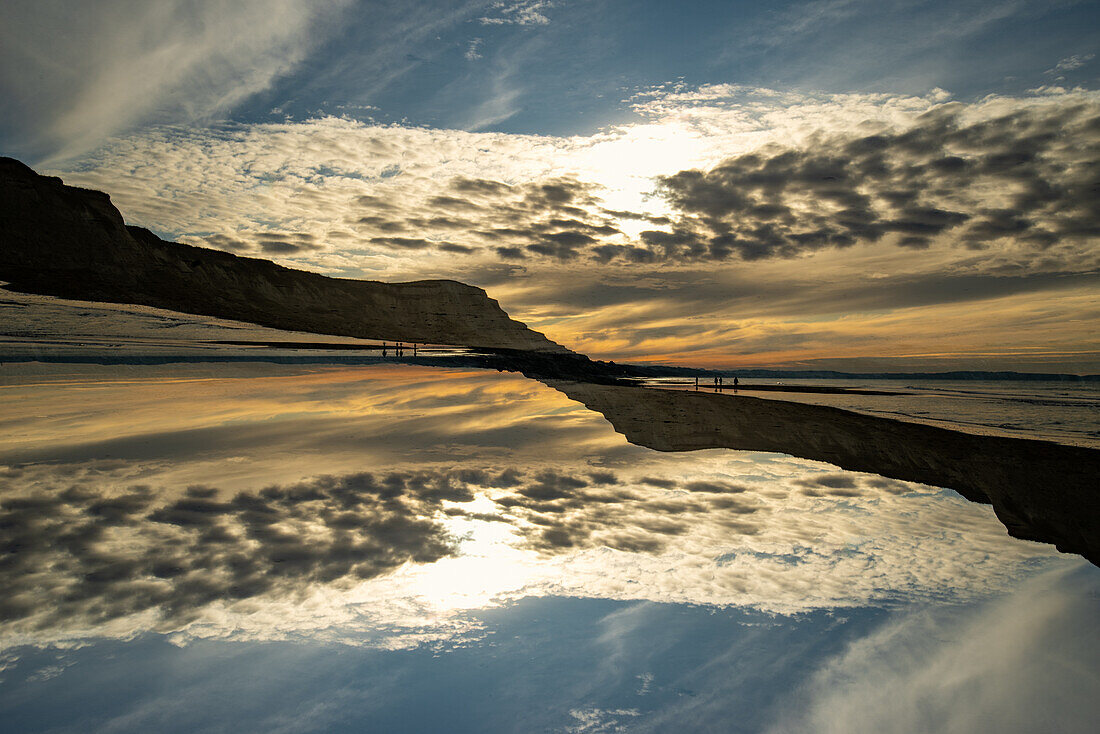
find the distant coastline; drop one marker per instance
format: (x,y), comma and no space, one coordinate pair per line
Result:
(674,371)
(492,359)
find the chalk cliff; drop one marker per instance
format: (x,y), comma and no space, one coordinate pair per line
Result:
(70,242)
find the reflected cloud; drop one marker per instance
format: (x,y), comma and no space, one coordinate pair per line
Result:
(79,558)
(942,670)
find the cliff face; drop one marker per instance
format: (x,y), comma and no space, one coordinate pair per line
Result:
(65,241)
(1040,491)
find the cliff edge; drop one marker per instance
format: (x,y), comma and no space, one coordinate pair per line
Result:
(70,242)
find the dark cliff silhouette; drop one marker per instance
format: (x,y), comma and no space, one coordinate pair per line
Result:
(1040,490)
(70,242)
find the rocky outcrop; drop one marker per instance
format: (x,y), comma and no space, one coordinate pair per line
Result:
(70,242)
(1040,490)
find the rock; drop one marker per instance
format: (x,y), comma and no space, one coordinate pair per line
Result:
(73,243)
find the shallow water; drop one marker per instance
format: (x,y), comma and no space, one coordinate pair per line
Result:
(257,547)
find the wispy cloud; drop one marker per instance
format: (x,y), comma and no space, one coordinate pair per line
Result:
(1014,665)
(518,12)
(1071,63)
(473,50)
(93,71)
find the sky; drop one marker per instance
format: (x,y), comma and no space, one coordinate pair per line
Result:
(840,184)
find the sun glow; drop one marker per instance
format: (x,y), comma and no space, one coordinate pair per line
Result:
(489,567)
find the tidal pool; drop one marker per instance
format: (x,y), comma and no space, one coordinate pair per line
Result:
(250,547)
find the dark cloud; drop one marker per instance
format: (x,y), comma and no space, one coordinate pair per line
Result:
(552,486)
(279,243)
(637,216)
(556,218)
(403,243)
(452,202)
(944,176)
(480,186)
(631,253)
(715,487)
(457,249)
(382,224)
(223,242)
(76,557)
(561,245)
(88,557)
(511,253)
(832,485)
(659,482)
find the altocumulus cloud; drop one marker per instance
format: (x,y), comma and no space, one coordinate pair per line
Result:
(726,201)
(1030,176)
(1006,173)
(84,557)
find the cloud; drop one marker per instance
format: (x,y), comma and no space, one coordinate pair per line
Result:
(473,50)
(1071,63)
(278,243)
(124,65)
(615,243)
(1013,665)
(1012,177)
(209,522)
(518,12)
(1003,174)
(82,557)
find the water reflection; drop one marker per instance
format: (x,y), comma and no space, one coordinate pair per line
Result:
(1039,490)
(379,506)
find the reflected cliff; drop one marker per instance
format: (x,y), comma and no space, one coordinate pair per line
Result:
(1040,490)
